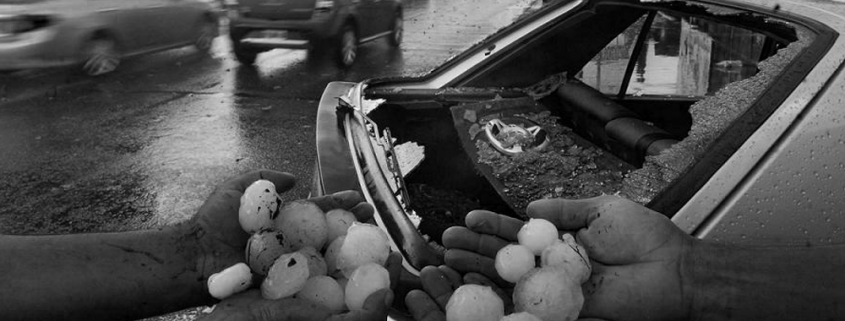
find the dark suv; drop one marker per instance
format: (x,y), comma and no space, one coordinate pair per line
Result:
(338,25)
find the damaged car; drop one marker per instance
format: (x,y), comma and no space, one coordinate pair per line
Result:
(723,115)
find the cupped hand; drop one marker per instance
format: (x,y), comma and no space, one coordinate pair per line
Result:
(429,304)
(639,257)
(251,306)
(218,230)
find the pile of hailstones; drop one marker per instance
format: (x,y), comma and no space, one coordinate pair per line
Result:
(328,258)
(550,291)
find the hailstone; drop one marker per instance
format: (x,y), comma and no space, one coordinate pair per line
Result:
(316,263)
(364,243)
(231,280)
(520,316)
(514,260)
(549,294)
(570,255)
(259,206)
(338,221)
(286,277)
(303,223)
(324,290)
(537,234)
(365,280)
(331,257)
(472,302)
(263,248)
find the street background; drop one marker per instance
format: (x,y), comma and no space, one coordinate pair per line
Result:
(144,146)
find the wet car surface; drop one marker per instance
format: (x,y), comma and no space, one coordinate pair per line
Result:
(722,116)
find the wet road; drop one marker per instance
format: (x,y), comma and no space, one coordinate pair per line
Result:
(142,147)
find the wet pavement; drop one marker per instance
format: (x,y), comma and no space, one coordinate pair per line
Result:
(142,147)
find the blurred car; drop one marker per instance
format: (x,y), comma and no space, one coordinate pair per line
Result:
(341,25)
(97,34)
(724,115)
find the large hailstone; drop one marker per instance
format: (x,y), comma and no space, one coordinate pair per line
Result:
(364,243)
(304,224)
(263,248)
(259,206)
(570,255)
(286,277)
(325,291)
(472,302)
(548,293)
(364,281)
(537,234)
(512,261)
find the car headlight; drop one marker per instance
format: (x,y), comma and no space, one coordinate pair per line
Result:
(10,25)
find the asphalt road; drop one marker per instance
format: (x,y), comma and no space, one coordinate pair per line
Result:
(142,147)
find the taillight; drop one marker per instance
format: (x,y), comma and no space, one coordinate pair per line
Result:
(324,5)
(23,23)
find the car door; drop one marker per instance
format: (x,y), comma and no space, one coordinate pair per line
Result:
(175,21)
(126,20)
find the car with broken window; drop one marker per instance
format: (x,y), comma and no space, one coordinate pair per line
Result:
(726,116)
(97,35)
(341,26)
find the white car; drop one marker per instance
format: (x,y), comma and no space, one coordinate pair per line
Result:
(726,116)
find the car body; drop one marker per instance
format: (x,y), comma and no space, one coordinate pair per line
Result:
(742,141)
(261,25)
(97,34)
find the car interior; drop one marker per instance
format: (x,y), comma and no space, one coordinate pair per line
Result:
(591,74)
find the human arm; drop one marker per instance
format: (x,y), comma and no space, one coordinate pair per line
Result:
(131,275)
(645,268)
(125,275)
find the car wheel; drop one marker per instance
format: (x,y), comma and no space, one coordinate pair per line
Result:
(205,35)
(100,56)
(244,55)
(347,46)
(398,29)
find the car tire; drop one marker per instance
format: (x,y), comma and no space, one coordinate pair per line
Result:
(397,31)
(100,55)
(244,55)
(347,46)
(206,32)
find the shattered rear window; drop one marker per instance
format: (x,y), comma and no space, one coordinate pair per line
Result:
(711,116)
(721,100)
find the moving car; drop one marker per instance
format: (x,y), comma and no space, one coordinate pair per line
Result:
(340,25)
(726,116)
(97,34)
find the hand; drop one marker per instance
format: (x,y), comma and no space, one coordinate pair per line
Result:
(637,254)
(438,284)
(216,224)
(639,257)
(250,306)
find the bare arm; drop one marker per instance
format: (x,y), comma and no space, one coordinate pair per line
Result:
(646,268)
(106,276)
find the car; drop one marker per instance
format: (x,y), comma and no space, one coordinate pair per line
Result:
(338,25)
(724,115)
(97,35)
